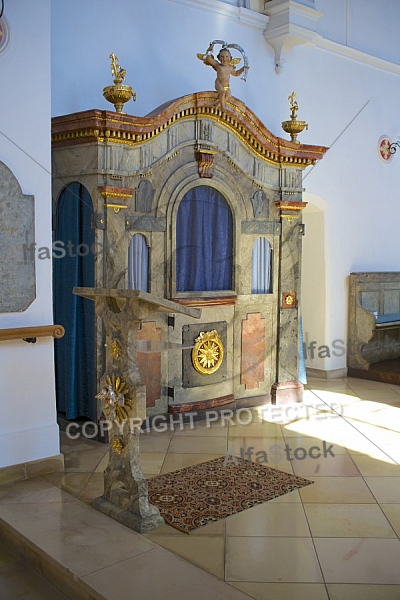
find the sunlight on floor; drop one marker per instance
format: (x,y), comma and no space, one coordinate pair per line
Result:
(342,417)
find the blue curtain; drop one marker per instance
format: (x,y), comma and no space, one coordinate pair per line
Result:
(138,263)
(204,241)
(261,267)
(75,374)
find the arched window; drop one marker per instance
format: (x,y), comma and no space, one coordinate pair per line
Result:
(138,263)
(261,267)
(204,241)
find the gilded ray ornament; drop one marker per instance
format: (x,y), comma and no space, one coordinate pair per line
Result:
(208,352)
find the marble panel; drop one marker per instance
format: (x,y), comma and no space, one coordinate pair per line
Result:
(253,351)
(150,363)
(17,245)
(391,301)
(144,196)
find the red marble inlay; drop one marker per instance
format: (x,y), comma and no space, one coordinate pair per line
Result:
(253,351)
(150,363)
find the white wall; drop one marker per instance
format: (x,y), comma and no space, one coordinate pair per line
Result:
(28,428)
(157,41)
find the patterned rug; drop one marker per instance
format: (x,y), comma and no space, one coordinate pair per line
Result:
(195,496)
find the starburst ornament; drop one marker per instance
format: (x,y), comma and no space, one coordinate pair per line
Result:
(112,396)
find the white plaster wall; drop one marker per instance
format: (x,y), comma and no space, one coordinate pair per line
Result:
(157,42)
(28,428)
(366,25)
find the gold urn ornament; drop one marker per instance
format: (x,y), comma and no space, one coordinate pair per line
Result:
(294,127)
(119,93)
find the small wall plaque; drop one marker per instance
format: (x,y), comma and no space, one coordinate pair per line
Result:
(289,300)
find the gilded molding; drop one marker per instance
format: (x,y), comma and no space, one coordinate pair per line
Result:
(115,207)
(111,191)
(104,126)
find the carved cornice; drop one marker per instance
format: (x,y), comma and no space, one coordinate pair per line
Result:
(288,206)
(102,126)
(112,191)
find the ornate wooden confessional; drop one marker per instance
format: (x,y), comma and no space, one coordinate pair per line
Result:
(202,207)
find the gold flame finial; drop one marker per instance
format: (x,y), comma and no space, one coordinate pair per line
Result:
(294,127)
(118,93)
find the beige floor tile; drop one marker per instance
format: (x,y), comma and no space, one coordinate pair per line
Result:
(174,462)
(339,465)
(245,416)
(371,467)
(285,414)
(359,560)
(154,443)
(211,426)
(382,448)
(32,491)
(293,496)
(392,512)
(284,591)
(330,400)
(363,410)
(73,483)
(385,489)
(269,519)
(270,444)
(82,539)
(316,383)
(389,417)
(212,529)
(84,460)
(20,582)
(162,428)
(152,462)
(299,440)
(255,430)
(368,384)
(355,591)
(261,457)
(271,559)
(377,394)
(348,520)
(337,490)
(204,552)
(92,489)
(333,430)
(198,445)
(102,466)
(160,574)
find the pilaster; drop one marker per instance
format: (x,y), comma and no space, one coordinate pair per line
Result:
(287,388)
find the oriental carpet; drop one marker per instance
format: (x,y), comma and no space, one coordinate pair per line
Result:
(195,496)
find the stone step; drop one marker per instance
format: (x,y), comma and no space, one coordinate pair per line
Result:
(89,556)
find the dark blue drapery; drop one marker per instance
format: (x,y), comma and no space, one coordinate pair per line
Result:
(75,377)
(204,241)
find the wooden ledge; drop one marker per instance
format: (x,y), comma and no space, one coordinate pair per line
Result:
(205,301)
(29,334)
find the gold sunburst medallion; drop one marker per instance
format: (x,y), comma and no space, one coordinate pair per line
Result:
(208,352)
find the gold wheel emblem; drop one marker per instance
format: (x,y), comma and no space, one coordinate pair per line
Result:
(208,352)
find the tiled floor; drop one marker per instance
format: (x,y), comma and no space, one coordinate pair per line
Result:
(336,539)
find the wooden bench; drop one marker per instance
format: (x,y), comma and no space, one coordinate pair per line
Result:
(374,319)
